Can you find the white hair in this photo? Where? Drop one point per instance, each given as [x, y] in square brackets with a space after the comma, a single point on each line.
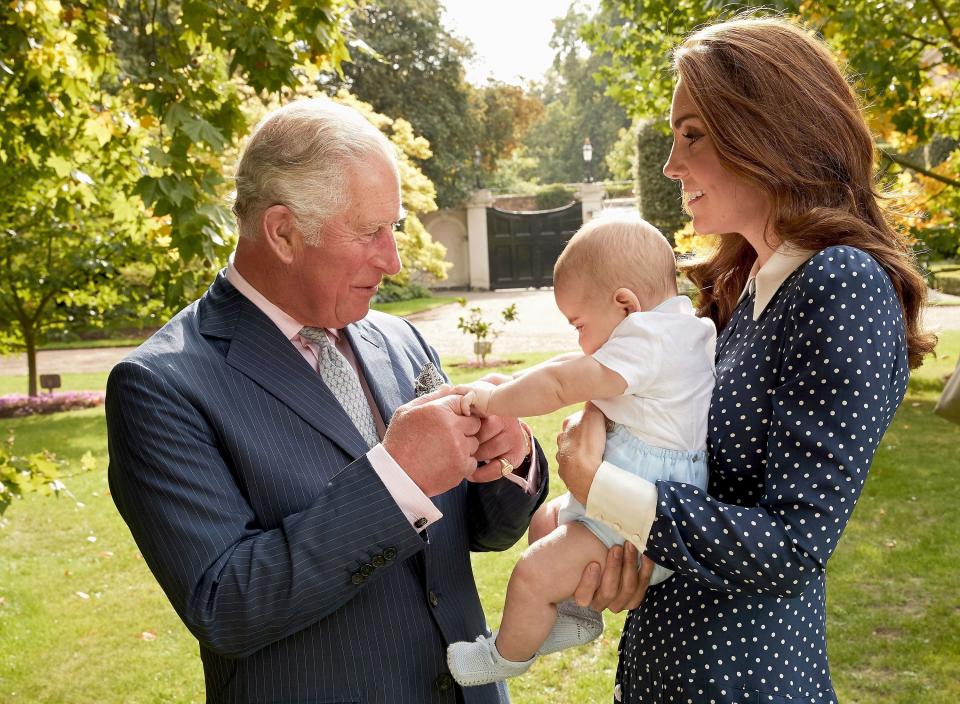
[300, 156]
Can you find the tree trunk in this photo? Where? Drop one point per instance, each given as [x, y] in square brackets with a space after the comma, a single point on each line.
[30, 341]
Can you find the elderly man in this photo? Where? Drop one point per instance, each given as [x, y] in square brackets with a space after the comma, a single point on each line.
[315, 555]
[306, 516]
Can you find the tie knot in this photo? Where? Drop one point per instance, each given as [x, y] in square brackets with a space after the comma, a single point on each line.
[316, 335]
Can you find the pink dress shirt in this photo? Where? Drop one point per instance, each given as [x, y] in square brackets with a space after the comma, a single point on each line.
[416, 506]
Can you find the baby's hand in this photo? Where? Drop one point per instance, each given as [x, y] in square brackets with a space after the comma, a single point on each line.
[475, 397]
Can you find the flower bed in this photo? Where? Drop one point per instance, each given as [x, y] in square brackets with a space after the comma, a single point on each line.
[18, 405]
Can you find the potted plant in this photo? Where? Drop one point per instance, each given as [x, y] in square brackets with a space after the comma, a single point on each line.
[483, 331]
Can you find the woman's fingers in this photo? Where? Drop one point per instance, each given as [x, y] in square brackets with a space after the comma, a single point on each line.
[629, 579]
[610, 580]
[589, 583]
[620, 586]
[646, 570]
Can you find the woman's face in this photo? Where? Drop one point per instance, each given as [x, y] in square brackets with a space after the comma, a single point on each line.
[718, 200]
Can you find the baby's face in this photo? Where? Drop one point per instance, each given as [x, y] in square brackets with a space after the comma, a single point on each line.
[594, 316]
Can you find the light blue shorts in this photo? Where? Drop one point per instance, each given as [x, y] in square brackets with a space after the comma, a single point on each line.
[633, 455]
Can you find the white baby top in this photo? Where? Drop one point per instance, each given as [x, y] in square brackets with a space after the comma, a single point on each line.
[666, 357]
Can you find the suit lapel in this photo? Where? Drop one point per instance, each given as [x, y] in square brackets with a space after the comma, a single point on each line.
[370, 349]
[260, 351]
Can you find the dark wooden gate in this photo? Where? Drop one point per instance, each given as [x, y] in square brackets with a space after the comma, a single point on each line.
[525, 246]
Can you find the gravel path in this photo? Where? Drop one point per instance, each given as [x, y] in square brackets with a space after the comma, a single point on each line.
[540, 327]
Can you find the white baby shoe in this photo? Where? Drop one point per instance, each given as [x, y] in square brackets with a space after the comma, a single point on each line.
[480, 662]
[576, 625]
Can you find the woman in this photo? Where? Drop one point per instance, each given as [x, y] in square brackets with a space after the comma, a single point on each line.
[818, 302]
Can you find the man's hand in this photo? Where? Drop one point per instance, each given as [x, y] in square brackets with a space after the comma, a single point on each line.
[432, 442]
[620, 586]
[499, 437]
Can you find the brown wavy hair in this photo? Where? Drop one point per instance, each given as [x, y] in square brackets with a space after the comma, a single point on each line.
[782, 115]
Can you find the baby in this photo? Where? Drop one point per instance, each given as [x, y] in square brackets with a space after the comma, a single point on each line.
[647, 363]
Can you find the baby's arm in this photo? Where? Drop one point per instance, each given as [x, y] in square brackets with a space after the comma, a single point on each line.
[559, 359]
[546, 389]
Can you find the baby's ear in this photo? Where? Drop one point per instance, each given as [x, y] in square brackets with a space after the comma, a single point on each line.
[627, 301]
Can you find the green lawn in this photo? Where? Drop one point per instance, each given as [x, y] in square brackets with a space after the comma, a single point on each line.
[94, 344]
[87, 381]
[82, 620]
[414, 305]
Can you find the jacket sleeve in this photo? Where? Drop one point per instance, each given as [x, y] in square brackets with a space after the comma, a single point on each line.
[842, 375]
[499, 512]
[237, 586]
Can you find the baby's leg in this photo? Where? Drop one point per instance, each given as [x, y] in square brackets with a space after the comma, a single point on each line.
[544, 521]
[547, 573]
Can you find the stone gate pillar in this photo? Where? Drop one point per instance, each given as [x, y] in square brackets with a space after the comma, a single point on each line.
[591, 199]
[478, 250]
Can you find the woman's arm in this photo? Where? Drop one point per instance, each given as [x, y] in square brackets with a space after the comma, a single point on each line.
[831, 403]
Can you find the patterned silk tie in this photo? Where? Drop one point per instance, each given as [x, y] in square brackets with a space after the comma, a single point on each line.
[344, 383]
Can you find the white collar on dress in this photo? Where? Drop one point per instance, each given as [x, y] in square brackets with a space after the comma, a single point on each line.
[767, 279]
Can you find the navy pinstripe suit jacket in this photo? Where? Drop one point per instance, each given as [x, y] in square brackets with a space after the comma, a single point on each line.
[246, 487]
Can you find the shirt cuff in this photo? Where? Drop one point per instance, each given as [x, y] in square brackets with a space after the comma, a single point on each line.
[623, 501]
[416, 506]
[530, 484]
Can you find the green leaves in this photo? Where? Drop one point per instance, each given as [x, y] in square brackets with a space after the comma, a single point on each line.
[20, 475]
[905, 59]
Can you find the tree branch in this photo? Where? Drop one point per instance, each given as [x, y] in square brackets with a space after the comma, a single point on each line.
[946, 23]
[41, 305]
[921, 40]
[913, 166]
[16, 304]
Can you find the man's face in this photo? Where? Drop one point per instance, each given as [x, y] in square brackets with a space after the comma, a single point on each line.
[336, 279]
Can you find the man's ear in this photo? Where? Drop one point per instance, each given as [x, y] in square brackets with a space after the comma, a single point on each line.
[280, 233]
[627, 301]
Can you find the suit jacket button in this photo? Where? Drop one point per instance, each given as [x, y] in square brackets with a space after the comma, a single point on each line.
[378, 561]
[434, 599]
[366, 569]
[357, 578]
[445, 682]
[390, 553]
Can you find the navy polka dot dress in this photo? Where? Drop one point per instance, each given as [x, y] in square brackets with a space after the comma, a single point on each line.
[802, 398]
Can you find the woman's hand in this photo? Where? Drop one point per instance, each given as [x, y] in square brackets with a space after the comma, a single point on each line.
[620, 586]
[580, 450]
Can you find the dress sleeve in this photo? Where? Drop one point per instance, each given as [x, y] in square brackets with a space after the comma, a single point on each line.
[842, 374]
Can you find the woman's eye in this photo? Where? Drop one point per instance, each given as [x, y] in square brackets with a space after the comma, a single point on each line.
[692, 136]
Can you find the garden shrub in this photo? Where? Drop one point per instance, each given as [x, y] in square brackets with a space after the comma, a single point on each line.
[18, 405]
[658, 197]
[947, 281]
[555, 196]
[390, 291]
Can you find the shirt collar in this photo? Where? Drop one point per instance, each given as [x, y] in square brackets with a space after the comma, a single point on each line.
[675, 304]
[287, 324]
[766, 280]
